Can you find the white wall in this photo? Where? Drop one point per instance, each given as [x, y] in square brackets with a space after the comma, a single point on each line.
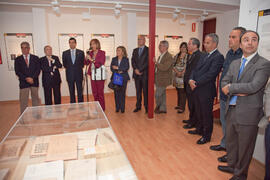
[248, 18]
[11, 23]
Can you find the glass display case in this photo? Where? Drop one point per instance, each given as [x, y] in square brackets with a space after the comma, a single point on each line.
[63, 142]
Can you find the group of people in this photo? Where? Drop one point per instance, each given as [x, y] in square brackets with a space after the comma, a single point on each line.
[244, 74]
[243, 84]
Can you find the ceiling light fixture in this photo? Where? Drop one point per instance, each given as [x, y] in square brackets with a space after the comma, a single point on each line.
[175, 14]
[117, 9]
[183, 20]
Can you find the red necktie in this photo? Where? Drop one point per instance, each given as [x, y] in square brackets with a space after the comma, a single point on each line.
[26, 60]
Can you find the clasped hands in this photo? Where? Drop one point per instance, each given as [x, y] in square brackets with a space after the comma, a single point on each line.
[116, 68]
[29, 80]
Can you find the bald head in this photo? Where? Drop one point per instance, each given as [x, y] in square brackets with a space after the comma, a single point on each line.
[141, 40]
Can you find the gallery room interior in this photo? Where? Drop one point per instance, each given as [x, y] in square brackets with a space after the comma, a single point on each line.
[83, 139]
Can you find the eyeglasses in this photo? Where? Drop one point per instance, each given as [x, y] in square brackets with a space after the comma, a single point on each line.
[25, 47]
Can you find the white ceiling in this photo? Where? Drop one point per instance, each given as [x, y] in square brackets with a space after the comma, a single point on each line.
[164, 7]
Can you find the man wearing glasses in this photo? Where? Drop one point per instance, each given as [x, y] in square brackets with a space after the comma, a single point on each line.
[27, 68]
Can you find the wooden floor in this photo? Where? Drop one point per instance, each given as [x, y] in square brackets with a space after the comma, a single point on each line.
[158, 148]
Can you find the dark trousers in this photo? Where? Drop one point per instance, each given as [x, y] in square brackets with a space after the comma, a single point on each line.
[71, 86]
[191, 105]
[181, 98]
[204, 114]
[120, 97]
[240, 144]
[267, 152]
[48, 90]
[141, 87]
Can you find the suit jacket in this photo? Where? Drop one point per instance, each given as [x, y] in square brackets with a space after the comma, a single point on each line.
[163, 72]
[190, 66]
[205, 74]
[249, 109]
[74, 72]
[123, 66]
[22, 71]
[50, 77]
[140, 62]
[99, 61]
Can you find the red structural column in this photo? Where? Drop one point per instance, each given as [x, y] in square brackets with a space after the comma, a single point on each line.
[151, 74]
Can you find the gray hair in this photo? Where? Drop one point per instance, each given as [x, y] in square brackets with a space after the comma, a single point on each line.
[195, 41]
[46, 47]
[214, 37]
[165, 43]
[25, 43]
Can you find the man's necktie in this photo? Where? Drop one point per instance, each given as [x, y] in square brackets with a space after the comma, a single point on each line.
[26, 60]
[140, 52]
[73, 56]
[234, 98]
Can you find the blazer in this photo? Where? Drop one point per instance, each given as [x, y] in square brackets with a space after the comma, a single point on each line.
[50, 77]
[22, 71]
[74, 72]
[163, 70]
[99, 61]
[249, 109]
[124, 67]
[191, 64]
[140, 62]
[205, 74]
[267, 101]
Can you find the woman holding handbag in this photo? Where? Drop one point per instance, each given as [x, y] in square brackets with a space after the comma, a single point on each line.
[95, 58]
[178, 72]
[119, 68]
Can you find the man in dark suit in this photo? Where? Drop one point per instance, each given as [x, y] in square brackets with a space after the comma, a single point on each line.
[27, 68]
[51, 79]
[73, 61]
[244, 84]
[203, 83]
[193, 47]
[140, 73]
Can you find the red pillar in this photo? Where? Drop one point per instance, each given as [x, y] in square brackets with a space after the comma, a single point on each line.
[151, 75]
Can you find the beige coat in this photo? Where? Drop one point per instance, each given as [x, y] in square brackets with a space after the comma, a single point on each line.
[163, 70]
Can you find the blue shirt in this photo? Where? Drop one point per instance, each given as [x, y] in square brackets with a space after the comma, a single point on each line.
[230, 57]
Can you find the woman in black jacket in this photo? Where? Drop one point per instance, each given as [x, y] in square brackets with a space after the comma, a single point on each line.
[120, 64]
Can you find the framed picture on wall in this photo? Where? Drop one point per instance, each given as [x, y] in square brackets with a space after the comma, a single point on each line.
[263, 28]
[174, 43]
[147, 43]
[13, 46]
[63, 39]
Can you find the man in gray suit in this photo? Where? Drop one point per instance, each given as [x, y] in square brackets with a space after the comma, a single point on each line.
[244, 84]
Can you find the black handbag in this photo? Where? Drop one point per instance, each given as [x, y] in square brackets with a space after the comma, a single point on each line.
[113, 86]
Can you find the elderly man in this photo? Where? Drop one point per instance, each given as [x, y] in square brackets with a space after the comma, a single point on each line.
[163, 76]
[139, 62]
[234, 53]
[244, 84]
[203, 83]
[51, 79]
[27, 68]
